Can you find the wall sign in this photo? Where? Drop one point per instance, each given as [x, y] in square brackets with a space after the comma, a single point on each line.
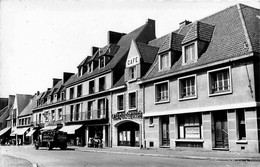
[128, 115]
[132, 61]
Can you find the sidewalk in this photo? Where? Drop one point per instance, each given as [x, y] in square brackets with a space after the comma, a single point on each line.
[191, 153]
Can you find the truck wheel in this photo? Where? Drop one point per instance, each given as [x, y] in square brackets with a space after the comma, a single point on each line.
[49, 146]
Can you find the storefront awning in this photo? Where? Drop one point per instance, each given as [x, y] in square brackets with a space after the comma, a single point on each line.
[49, 128]
[31, 133]
[22, 131]
[14, 132]
[70, 129]
[3, 131]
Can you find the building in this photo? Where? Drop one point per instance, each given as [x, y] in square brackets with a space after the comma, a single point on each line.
[202, 90]
[20, 102]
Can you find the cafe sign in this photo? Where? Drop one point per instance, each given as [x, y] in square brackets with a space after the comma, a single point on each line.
[128, 115]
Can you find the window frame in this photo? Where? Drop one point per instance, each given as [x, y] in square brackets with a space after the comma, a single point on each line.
[104, 63]
[239, 113]
[209, 76]
[60, 112]
[169, 61]
[132, 108]
[90, 92]
[132, 75]
[156, 89]
[72, 93]
[117, 102]
[104, 86]
[79, 94]
[180, 79]
[195, 44]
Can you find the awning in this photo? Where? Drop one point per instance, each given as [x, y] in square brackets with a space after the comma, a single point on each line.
[70, 129]
[22, 131]
[31, 132]
[49, 128]
[3, 131]
[14, 132]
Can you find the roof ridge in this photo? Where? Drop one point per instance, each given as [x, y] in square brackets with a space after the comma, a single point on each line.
[250, 47]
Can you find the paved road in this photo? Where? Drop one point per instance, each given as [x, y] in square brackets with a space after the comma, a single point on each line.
[73, 158]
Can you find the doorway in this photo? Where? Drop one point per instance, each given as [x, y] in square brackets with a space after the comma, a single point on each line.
[165, 131]
[221, 131]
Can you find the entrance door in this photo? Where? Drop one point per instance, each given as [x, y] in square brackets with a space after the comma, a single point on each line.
[128, 134]
[165, 131]
[221, 131]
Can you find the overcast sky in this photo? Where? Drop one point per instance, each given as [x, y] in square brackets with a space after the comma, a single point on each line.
[41, 39]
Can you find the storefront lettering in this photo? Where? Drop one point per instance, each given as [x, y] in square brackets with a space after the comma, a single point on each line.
[132, 61]
[128, 115]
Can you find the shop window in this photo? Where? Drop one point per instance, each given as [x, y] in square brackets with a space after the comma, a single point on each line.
[71, 93]
[132, 72]
[102, 84]
[219, 81]
[241, 124]
[164, 61]
[120, 102]
[132, 100]
[187, 87]
[162, 92]
[60, 113]
[91, 86]
[79, 90]
[190, 126]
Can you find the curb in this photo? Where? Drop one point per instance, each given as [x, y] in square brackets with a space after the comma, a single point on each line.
[171, 156]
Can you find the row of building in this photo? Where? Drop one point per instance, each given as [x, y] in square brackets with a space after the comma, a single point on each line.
[197, 86]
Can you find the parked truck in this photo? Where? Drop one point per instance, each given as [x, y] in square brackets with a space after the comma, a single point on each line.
[51, 139]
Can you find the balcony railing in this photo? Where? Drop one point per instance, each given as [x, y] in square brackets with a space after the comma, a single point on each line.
[88, 115]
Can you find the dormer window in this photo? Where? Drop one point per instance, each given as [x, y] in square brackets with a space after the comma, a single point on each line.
[190, 53]
[80, 71]
[102, 62]
[164, 61]
[90, 67]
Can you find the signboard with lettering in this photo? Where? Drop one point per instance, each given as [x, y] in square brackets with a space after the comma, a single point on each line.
[133, 57]
[128, 115]
[132, 61]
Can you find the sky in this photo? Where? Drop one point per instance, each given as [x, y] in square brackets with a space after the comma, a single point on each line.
[41, 39]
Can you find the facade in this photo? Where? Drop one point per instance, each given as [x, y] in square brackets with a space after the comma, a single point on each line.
[203, 89]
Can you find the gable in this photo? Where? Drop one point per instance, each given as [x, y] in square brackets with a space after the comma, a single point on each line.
[133, 57]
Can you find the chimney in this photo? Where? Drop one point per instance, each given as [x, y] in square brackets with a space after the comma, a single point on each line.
[66, 76]
[55, 81]
[184, 23]
[113, 37]
[94, 50]
[38, 93]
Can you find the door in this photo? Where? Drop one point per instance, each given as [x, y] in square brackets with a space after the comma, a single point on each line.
[165, 131]
[221, 131]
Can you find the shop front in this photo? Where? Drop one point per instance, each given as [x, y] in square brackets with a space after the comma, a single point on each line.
[76, 134]
[97, 135]
[129, 134]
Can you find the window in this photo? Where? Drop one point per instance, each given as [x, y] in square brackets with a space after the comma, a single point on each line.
[162, 92]
[71, 112]
[71, 93]
[187, 87]
[53, 115]
[62, 96]
[190, 53]
[46, 115]
[132, 72]
[102, 62]
[241, 124]
[60, 113]
[189, 126]
[101, 108]
[219, 81]
[77, 112]
[91, 87]
[102, 84]
[151, 120]
[164, 61]
[89, 67]
[120, 102]
[79, 90]
[40, 118]
[90, 109]
[132, 100]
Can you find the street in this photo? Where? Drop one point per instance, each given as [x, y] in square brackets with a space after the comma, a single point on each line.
[75, 158]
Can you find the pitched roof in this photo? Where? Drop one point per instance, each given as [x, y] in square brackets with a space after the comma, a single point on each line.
[120, 82]
[28, 109]
[124, 45]
[84, 61]
[228, 39]
[55, 88]
[199, 30]
[109, 50]
[22, 101]
[147, 52]
[171, 42]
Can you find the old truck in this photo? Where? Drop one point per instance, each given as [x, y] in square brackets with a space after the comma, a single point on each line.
[51, 139]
